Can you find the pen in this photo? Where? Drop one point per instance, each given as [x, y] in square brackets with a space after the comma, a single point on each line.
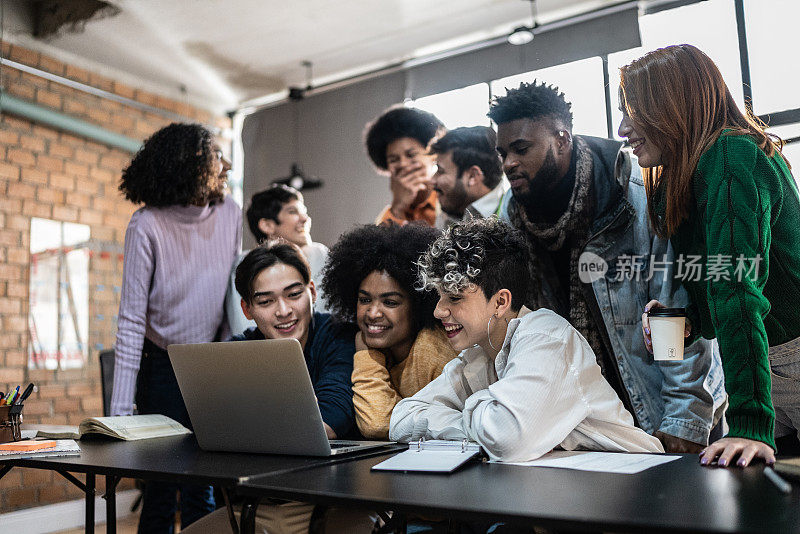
[11, 396]
[773, 477]
[26, 393]
[15, 397]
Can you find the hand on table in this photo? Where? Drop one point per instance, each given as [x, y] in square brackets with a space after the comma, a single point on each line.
[727, 449]
[648, 341]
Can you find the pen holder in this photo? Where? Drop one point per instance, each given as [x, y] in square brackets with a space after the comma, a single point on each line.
[10, 419]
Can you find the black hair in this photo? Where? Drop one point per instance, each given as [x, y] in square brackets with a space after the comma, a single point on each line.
[486, 253]
[265, 256]
[531, 101]
[267, 204]
[396, 123]
[173, 167]
[473, 146]
[391, 249]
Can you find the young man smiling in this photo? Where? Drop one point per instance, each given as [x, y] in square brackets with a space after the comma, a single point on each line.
[277, 212]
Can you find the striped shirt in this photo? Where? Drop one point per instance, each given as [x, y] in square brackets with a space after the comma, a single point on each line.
[175, 274]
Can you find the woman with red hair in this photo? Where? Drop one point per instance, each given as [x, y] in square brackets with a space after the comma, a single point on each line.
[720, 189]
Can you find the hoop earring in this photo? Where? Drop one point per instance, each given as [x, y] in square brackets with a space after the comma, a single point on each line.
[489, 331]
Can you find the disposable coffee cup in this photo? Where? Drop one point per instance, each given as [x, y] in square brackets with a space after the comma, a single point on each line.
[666, 331]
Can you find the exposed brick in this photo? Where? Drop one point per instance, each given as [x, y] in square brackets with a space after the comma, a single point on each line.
[9, 341]
[51, 65]
[92, 405]
[65, 213]
[11, 272]
[80, 390]
[86, 156]
[17, 289]
[23, 55]
[48, 98]
[13, 479]
[88, 186]
[38, 407]
[77, 74]
[87, 216]
[51, 391]
[9, 138]
[80, 200]
[10, 205]
[11, 238]
[45, 131]
[10, 306]
[73, 107]
[62, 405]
[21, 190]
[53, 196]
[124, 90]
[76, 169]
[18, 124]
[9, 376]
[9, 171]
[35, 209]
[48, 163]
[62, 181]
[21, 497]
[24, 91]
[101, 174]
[32, 143]
[21, 157]
[34, 176]
[52, 493]
[101, 82]
[16, 358]
[17, 256]
[61, 150]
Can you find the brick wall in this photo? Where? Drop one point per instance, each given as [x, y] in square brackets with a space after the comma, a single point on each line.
[54, 175]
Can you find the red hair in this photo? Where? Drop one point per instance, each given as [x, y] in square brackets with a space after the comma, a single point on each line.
[677, 96]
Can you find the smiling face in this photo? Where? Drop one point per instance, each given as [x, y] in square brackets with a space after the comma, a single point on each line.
[644, 148]
[536, 155]
[383, 314]
[464, 316]
[282, 303]
[294, 224]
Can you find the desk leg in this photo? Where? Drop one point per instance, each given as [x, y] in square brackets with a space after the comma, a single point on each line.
[111, 504]
[89, 503]
[248, 520]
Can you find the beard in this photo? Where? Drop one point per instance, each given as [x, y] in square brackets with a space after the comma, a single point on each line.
[535, 191]
[455, 201]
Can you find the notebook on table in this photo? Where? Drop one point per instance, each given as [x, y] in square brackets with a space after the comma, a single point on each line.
[254, 396]
[438, 456]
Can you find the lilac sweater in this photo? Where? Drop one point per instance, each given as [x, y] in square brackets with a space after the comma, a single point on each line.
[175, 274]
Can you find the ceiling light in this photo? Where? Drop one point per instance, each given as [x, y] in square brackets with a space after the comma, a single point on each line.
[524, 34]
[520, 36]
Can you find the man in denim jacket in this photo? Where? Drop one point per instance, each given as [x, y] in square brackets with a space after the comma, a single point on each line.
[581, 202]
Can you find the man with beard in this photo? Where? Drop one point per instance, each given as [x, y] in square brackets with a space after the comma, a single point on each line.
[580, 201]
[469, 176]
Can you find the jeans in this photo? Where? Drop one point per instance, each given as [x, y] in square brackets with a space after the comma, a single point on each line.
[157, 392]
[784, 365]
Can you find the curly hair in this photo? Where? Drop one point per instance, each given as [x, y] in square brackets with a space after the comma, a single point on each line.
[390, 249]
[173, 167]
[396, 123]
[484, 253]
[267, 204]
[531, 101]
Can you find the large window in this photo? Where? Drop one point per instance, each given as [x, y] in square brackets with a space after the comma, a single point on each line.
[582, 85]
[710, 26]
[461, 107]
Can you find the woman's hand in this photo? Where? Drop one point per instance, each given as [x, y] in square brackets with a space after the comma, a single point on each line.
[648, 341]
[727, 449]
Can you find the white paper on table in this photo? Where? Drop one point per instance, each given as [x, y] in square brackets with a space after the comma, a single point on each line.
[605, 462]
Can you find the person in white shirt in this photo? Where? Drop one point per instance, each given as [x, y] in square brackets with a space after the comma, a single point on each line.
[277, 212]
[469, 175]
[525, 381]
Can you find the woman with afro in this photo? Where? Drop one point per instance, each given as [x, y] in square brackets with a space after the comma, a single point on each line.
[179, 247]
[370, 279]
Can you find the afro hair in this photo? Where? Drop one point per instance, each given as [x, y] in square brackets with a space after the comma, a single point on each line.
[391, 249]
[396, 123]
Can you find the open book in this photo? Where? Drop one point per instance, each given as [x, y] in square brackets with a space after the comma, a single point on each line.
[127, 427]
[433, 455]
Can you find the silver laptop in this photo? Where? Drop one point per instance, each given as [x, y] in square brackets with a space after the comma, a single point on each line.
[254, 396]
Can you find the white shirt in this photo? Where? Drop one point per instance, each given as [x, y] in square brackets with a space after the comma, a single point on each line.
[544, 390]
[486, 206]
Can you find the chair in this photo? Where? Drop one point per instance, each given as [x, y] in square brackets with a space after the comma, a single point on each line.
[107, 378]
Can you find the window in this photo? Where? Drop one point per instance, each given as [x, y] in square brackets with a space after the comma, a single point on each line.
[582, 85]
[467, 106]
[58, 321]
[689, 24]
[772, 43]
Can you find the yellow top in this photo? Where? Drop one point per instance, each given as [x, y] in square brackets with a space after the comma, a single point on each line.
[377, 389]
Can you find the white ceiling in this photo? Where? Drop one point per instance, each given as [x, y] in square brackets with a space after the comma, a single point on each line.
[226, 52]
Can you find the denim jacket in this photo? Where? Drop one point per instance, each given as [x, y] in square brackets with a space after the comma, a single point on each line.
[684, 399]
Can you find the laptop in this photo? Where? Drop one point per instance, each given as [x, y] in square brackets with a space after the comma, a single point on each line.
[254, 396]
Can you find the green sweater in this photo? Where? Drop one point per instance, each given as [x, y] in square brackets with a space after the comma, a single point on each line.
[745, 204]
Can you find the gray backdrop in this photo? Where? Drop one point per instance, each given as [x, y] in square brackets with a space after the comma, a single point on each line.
[330, 124]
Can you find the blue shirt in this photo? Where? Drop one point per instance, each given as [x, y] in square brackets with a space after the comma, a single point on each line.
[329, 354]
